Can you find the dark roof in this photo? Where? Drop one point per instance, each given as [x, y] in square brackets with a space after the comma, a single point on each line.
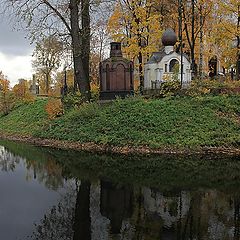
[156, 57]
[169, 37]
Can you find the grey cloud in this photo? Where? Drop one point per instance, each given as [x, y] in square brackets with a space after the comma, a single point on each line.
[12, 42]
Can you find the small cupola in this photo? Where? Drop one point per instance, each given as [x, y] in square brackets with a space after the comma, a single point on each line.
[116, 49]
[169, 39]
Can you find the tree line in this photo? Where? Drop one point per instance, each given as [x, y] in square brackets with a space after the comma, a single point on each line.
[79, 31]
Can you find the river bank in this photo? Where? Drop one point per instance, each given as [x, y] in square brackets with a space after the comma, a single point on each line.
[91, 147]
[174, 126]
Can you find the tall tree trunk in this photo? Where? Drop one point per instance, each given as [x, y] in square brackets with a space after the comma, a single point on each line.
[140, 69]
[201, 45]
[81, 76]
[47, 83]
[193, 39]
[238, 46]
[190, 34]
[180, 37]
[85, 34]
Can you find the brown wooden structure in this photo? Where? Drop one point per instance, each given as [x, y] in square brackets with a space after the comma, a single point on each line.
[116, 75]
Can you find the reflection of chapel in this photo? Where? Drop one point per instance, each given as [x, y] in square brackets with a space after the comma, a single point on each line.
[165, 65]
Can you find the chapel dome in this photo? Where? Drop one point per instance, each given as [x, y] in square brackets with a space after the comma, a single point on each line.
[169, 37]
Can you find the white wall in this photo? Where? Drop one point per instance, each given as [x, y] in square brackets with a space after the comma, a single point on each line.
[154, 71]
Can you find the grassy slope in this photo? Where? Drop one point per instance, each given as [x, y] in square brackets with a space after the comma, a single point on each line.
[177, 122]
[25, 119]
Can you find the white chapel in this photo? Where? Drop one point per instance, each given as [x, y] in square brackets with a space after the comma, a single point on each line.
[165, 65]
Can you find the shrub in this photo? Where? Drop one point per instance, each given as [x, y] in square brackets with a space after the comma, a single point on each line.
[199, 88]
[54, 108]
[169, 88]
[72, 100]
[213, 87]
[89, 110]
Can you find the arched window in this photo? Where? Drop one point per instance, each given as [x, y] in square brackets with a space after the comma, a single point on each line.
[173, 65]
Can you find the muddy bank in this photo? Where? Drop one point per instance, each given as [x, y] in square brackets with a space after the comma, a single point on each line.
[92, 147]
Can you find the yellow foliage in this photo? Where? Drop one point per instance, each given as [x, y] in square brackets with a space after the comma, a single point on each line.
[214, 86]
[6, 96]
[137, 27]
[54, 108]
[21, 92]
[95, 91]
[4, 85]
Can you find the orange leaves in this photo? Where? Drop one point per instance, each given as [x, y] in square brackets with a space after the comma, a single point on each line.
[4, 84]
[54, 108]
[6, 97]
[21, 92]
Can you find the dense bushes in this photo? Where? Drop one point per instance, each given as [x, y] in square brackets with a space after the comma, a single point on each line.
[213, 87]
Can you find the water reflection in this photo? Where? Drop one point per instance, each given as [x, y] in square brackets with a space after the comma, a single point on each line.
[24, 200]
[8, 161]
[152, 215]
[96, 205]
[116, 204]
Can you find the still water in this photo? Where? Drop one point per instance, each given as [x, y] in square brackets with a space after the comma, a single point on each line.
[52, 194]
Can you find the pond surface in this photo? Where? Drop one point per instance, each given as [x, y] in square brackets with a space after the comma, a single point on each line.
[50, 194]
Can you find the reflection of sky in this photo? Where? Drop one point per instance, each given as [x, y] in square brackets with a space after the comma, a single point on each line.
[22, 203]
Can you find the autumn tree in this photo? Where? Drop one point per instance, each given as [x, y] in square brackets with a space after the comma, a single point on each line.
[194, 15]
[21, 91]
[47, 58]
[6, 96]
[135, 25]
[99, 48]
[228, 26]
[66, 18]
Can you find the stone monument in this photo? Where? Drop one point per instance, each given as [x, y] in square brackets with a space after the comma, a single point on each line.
[116, 75]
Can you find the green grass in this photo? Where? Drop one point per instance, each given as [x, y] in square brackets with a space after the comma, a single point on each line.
[180, 122]
[25, 119]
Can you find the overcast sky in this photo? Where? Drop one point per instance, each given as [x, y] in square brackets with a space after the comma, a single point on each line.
[15, 52]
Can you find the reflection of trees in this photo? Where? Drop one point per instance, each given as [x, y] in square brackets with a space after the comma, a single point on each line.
[47, 172]
[140, 213]
[70, 219]
[191, 225]
[8, 161]
[182, 215]
[210, 215]
[40, 165]
[57, 224]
